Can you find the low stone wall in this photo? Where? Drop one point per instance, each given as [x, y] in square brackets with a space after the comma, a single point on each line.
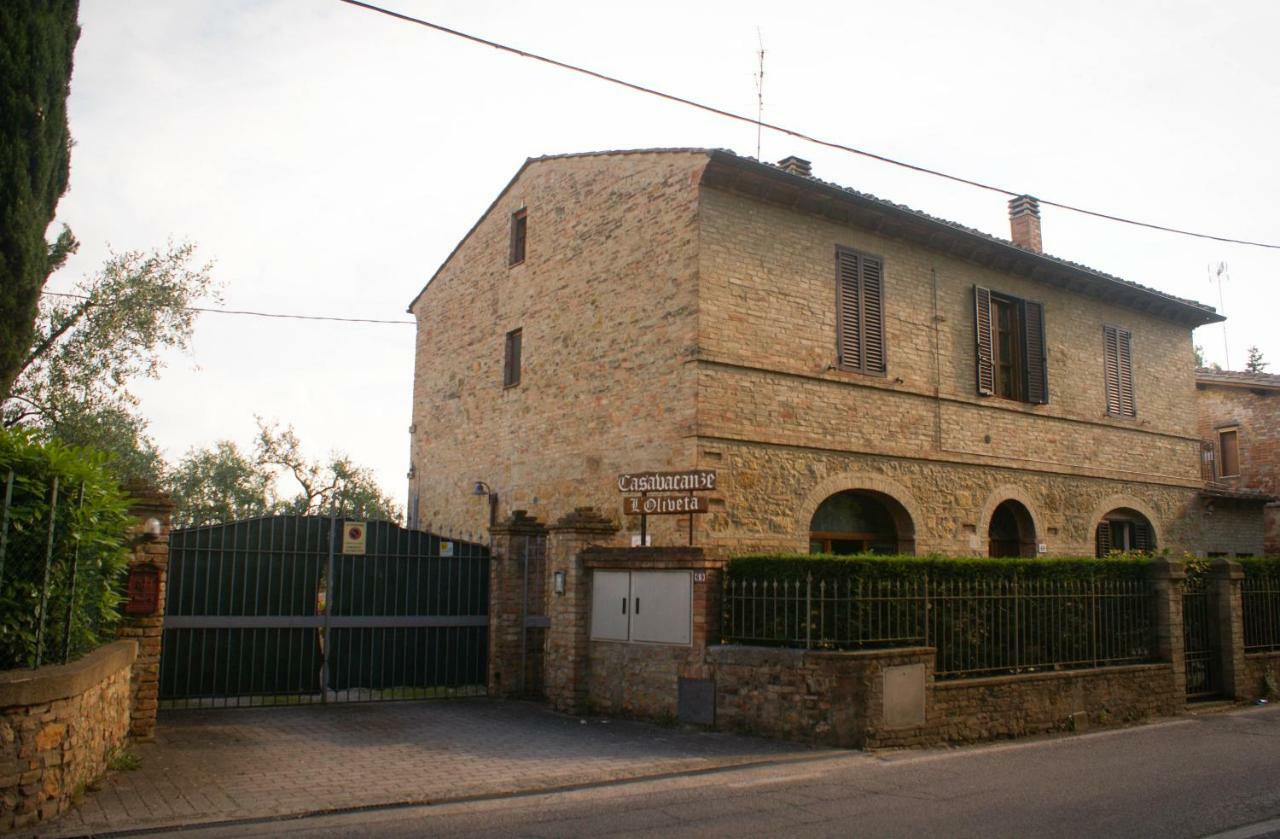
[639, 680]
[58, 728]
[1261, 673]
[851, 699]
[830, 698]
[999, 707]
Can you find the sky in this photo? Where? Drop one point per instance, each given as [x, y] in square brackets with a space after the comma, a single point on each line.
[327, 159]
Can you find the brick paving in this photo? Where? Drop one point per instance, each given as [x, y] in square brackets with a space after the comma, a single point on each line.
[210, 766]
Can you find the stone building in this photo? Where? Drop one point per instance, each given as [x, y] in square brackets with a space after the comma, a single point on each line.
[860, 375]
[1239, 417]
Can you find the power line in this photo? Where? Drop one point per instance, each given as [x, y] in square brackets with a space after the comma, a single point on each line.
[790, 132]
[254, 314]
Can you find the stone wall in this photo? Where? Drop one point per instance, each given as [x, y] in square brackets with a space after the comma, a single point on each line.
[59, 726]
[973, 710]
[771, 493]
[767, 328]
[606, 299]
[838, 698]
[1234, 527]
[826, 698]
[1261, 671]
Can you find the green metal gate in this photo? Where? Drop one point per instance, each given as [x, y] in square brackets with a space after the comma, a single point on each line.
[269, 611]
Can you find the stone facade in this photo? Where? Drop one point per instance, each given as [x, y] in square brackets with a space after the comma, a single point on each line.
[59, 726]
[1249, 403]
[677, 310]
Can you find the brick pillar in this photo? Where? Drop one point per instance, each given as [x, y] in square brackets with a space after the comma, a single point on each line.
[568, 638]
[1226, 610]
[1168, 577]
[506, 601]
[148, 503]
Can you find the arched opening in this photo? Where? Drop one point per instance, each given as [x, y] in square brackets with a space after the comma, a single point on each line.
[861, 521]
[1012, 531]
[1124, 529]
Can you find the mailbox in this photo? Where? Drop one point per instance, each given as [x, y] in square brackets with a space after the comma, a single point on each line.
[143, 590]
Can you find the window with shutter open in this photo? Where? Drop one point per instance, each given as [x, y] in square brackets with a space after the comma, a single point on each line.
[1117, 366]
[860, 342]
[1009, 334]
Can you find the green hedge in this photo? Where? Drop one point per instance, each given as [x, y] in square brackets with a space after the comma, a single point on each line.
[875, 566]
[89, 536]
[1260, 566]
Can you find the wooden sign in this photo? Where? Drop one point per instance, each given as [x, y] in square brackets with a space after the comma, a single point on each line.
[664, 505]
[692, 480]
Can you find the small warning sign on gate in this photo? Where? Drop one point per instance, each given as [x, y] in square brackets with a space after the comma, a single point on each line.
[353, 538]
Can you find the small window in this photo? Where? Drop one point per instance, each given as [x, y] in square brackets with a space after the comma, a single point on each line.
[860, 312]
[511, 360]
[519, 233]
[1117, 365]
[1229, 446]
[1011, 347]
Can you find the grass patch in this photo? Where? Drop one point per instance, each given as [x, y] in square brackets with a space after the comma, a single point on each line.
[124, 760]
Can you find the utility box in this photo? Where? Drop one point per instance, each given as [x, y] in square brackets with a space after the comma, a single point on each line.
[652, 607]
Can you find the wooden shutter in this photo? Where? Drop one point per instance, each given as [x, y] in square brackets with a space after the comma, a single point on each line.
[1117, 361]
[1103, 537]
[1143, 538]
[982, 333]
[848, 310]
[1036, 365]
[1111, 368]
[1124, 346]
[872, 315]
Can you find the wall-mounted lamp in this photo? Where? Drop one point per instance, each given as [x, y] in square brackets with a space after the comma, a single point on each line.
[151, 529]
[482, 489]
[557, 582]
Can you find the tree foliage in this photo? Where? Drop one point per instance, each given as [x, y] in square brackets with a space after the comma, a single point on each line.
[218, 484]
[90, 526]
[87, 348]
[221, 483]
[37, 42]
[1256, 363]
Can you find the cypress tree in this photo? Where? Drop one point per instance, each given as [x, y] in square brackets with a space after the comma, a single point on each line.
[37, 39]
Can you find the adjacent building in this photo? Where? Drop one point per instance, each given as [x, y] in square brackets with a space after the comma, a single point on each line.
[1240, 428]
[860, 375]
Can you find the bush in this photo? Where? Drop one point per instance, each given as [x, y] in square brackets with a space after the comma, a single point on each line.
[881, 567]
[88, 559]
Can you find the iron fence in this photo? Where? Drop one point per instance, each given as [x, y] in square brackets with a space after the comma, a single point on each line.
[979, 627]
[1261, 596]
[43, 578]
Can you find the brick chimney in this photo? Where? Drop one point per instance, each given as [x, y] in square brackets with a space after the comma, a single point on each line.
[1024, 222]
[796, 166]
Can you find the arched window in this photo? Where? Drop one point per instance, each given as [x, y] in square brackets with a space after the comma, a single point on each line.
[860, 521]
[1123, 529]
[1012, 532]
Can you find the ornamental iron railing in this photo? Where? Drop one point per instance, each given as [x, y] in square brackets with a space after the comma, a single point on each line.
[980, 627]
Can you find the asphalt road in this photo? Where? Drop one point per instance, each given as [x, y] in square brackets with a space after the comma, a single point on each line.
[1195, 776]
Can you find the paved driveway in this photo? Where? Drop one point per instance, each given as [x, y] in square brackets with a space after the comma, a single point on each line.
[211, 766]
